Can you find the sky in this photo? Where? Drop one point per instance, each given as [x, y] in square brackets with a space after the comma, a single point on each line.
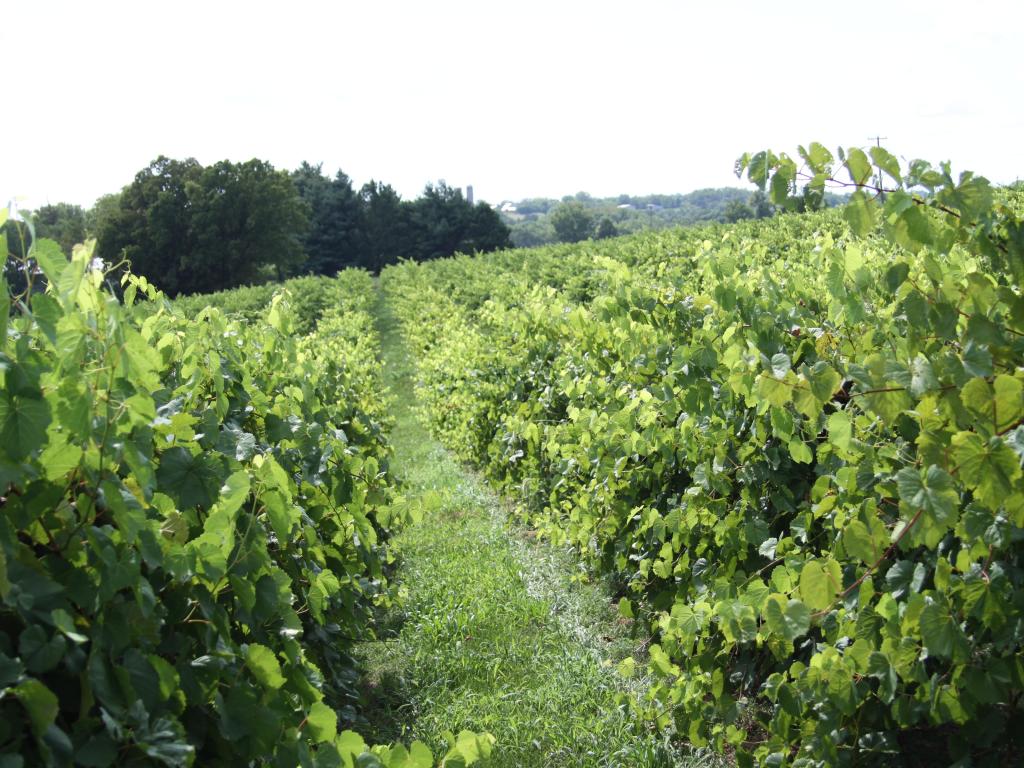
[519, 98]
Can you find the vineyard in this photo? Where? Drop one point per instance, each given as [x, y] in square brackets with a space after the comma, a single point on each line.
[796, 445]
[195, 526]
[792, 446]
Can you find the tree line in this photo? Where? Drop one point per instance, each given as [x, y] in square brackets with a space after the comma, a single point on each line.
[540, 221]
[191, 228]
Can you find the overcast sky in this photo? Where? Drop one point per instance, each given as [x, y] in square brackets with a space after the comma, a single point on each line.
[518, 98]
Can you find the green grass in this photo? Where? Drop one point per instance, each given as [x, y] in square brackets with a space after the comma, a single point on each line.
[493, 633]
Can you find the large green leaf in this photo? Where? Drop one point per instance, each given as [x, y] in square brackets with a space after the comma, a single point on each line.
[880, 667]
[858, 165]
[234, 492]
[932, 490]
[23, 423]
[264, 665]
[41, 650]
[420, 756]
[322, 722]
[940, 631]
[997, 405]
[777, 393]
[50, 257]
[840, 430]
[40, 703]
[905, 578]
[860, 214]
[817, 157]
[820, 582]
[194, 480]
[866, 541]
[988, 467]
[791, 619]
[780, 365]
[800, 452]
[59, 458]
[884, 160]
[824, 380]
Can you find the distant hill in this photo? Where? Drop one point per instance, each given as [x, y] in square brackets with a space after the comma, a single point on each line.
[534, 221]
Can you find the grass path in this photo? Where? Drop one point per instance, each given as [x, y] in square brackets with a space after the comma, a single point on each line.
[493, 634]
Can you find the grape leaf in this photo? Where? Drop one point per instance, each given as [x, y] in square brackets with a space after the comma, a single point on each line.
[23, 423]
[264, 665]
[322, 722]
[866, 541]
[840, 430]
[931, 490]
[791, 619]
[193, 480]
[989, 468]
[940, 631]
[858, 166]
[40, 703]
[820, 581]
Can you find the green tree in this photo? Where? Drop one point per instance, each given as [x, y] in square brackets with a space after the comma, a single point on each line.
[572, 222]
[761, 205]
[62, 222]
[248, 222]
[532, 231]
[193, 229]
[152, 226]
[439, 215]
[103, 209]
[337, 227]
[388, 226]
[737, 210]
[445, 223]
[606, 228]
[485, 231]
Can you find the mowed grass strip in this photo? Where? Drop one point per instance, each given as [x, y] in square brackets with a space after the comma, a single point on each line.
[493, 633]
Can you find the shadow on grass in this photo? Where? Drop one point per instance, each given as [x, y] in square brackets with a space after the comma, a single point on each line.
[384, 704]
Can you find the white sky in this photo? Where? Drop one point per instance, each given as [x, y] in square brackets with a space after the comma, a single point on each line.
[518, 98]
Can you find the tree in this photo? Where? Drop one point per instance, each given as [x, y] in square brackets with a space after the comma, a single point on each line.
[62, 222]
[248, 222]
[445, 223]
[572, 222]
[336, 237]
[388, 226]
[102, 210]
[151, 227]
[606, 228]
[532, 231]
[485, 231]
[737, 210]
[189, 229]
[761, 205]
[439, 216]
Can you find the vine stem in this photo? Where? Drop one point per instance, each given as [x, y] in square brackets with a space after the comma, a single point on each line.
[885, 555]
[1010, 428]
[882, 190]
[988, 563]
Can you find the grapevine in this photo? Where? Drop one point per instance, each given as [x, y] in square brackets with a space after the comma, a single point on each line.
[797, 442]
